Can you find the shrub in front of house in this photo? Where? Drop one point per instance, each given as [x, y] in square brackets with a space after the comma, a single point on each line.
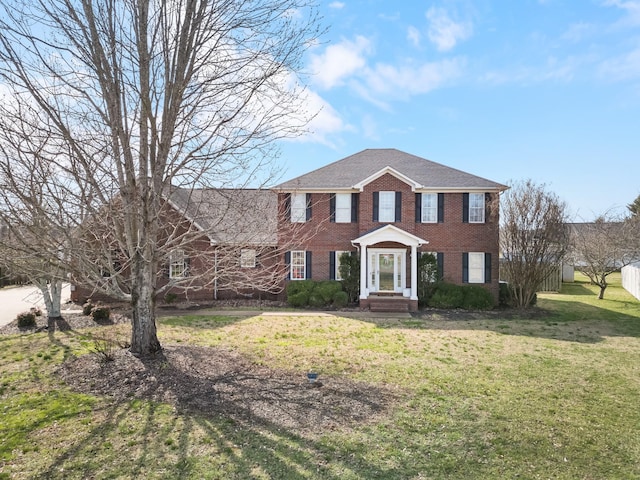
[26, 320]
[327, 289]
[298, 300]
[316, 300]
[468, 297]
[506, 294]
[340, 299]
[477, 298]
[100, 313]
[311, 293]
[447, 295]
[87, 307]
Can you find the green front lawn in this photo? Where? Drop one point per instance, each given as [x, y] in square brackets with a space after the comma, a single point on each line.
[551, 396]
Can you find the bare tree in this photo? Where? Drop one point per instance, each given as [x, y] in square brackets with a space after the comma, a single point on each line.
[634, 207]
[126, 101]
[533, 238]
[604, 246]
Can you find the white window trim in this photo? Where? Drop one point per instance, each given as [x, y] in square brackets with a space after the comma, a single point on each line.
[433, 210]
[177, 264]
[343, 208]
[298, 259]
[476, 274]
[388, 214]
[247, 258]
[476, 213]
[298, 207]
[338, 254]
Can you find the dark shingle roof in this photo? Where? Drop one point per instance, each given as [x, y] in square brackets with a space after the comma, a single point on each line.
[231, 216]
[352, 170]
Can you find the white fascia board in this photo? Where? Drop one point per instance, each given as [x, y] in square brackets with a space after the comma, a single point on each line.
[389, 233]
[184, 214]
[392, 171]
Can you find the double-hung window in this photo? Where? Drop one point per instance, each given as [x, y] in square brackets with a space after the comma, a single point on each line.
[177, 264]
[387, 207]
[429, 208]
[476, 208]
[298, 207]
[337, 263]
[343, 207]
[298, 265]
[247, 258]
[476, 267]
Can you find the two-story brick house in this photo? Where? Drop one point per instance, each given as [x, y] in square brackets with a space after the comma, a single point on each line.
[385, 205]
[388, 207]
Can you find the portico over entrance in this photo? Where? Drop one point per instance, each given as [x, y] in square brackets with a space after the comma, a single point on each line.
[383, 263]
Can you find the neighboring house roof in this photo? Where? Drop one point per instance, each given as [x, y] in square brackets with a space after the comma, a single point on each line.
[355, 171]
[231, 216]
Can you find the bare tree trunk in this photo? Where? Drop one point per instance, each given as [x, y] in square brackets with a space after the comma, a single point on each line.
[144, 339]
[52, 296]
[603, 287]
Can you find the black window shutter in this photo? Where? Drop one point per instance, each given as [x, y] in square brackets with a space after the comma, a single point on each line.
[287, 262]
[332, 265]
[376, 205]
[332, 208]
[465, 208]
[487, 207]
[465, 268]
[440, 259]
[418, 207]
[187, 264]
[308, 264]
[398, 207]
[487, 268]
[440, 207]
[287, 205]
[354, 207]
[308, 207]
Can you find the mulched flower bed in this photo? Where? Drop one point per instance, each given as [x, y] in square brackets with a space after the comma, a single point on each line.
[221, 382]
[216, 381]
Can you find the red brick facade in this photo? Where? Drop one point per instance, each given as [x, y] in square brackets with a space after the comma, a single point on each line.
[452, 237]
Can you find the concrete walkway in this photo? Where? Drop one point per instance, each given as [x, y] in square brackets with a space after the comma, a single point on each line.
[14, 300]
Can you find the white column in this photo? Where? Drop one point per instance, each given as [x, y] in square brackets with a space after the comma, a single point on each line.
[364, 293]
[414, 272]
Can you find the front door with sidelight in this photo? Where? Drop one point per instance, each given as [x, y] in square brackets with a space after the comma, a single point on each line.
[386, 270]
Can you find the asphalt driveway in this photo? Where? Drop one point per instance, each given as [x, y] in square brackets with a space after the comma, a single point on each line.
[14, 300]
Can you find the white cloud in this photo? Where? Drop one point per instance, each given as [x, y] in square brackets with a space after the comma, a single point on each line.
[414, 36]
[337, 5]
[623, 67]
[325, 123]
[444, 32]
[578, 31]
[553, 69]
[401, 82]
[339, 61]
[632, 8]
[370, 128]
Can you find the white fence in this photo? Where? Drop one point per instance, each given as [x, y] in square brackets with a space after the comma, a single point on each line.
[631, 279]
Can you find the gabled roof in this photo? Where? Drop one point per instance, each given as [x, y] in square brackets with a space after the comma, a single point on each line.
[388, 233]
[230, 216]
[352, 171]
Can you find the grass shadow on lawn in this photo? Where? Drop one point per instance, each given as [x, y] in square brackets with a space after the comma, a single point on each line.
[258, 421]
[556, 318]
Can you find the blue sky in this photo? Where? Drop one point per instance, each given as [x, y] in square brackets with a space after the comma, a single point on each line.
[540, 89]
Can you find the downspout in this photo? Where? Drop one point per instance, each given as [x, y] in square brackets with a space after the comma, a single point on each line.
[215, 274]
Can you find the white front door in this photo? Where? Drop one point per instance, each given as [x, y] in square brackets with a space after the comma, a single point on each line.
[386, 269]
